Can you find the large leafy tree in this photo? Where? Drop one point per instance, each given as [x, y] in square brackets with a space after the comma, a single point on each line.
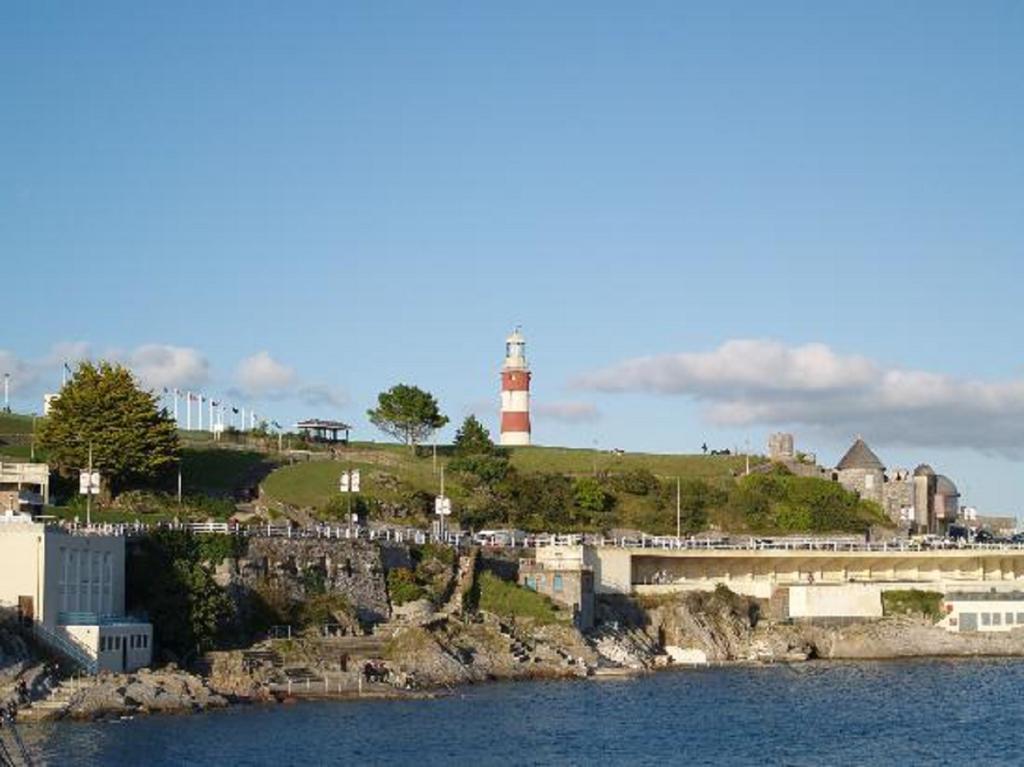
[134, 442]
[407, 413]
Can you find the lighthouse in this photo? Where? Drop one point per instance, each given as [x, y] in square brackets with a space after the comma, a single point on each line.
[515, 392]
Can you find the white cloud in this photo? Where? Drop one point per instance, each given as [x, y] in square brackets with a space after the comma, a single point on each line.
[321, 395]
[33, 376]
[261, 374]
[567, 412]
[160, 365]
[751, 382]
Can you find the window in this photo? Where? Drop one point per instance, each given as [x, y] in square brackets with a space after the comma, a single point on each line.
[131, 642]
[1020, 618]
[531, 583]
[997, 619]
[1009, 619]
[986, 619]
[557, 582]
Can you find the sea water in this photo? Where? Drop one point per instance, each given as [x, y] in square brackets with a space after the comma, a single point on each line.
[818, 713]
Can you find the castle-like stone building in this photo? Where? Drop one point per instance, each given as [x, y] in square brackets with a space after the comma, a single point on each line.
[918, 502]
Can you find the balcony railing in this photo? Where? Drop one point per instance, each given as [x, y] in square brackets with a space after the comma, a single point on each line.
[95, 619]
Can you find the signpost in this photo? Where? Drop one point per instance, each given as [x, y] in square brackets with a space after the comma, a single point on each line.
[350, 484]
[443, 509]
[89, 485]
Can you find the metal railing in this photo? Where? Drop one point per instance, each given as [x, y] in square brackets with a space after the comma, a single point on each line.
[518, 539]
[68, 647]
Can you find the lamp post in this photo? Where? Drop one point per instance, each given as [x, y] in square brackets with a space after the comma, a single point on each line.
[7, 388]
[679, 526]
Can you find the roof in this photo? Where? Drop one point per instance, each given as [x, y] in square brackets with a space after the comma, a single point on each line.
[860, 456]
[319, 423]
[944, 486]
[923, 470]
[984, 596]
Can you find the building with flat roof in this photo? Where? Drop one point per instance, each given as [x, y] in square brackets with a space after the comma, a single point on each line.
[983, 611]
[71, 590]
[24, 487]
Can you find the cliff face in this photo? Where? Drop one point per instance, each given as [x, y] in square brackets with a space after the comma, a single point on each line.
[294, 570]
[712, 626]
[902, 637]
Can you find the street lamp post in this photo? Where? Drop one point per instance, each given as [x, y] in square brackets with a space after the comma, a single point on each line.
[678, 510]
[88, 496]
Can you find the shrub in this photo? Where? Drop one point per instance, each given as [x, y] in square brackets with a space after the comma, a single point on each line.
[927, 604]
[402, 586]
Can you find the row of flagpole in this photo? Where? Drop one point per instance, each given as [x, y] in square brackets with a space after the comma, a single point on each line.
[217, 413]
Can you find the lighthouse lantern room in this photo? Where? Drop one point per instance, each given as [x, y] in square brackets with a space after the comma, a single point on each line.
[515, 392]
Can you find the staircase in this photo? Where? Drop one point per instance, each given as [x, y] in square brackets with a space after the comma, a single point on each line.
[464, 577]
[519, 648]
[56, 705]
[356, 646]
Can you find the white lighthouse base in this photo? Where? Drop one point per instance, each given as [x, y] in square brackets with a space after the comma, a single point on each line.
[515, 438]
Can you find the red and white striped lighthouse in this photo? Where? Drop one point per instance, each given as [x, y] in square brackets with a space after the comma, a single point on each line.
[515, 392]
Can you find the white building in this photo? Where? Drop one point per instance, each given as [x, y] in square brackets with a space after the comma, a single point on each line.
[983, 611]
[71, 589]
[24, 487]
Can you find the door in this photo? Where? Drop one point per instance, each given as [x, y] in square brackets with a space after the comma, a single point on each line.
[124, 654]
[26, 610]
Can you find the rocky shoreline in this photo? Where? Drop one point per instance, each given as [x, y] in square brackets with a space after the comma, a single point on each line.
[425, 653]
[433, 660]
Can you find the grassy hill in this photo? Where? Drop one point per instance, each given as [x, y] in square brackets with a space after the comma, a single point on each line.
[392, 475]
[15, 436]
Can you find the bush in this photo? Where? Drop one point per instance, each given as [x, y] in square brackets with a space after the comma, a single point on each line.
[402, 586]
[927, 604]
[635, 482]
[589, 495]
[324, 608]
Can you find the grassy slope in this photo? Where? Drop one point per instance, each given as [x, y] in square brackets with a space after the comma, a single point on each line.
[313, 483]
[216, 472]
[15, 436]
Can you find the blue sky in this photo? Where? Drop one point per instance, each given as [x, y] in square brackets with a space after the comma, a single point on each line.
[312, 201]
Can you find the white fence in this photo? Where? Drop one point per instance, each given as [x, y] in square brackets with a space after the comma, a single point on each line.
[519, 539]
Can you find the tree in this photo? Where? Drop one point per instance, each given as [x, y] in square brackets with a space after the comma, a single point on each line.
[133, 441]
[477, 455]
[472, 438]
[407, 413]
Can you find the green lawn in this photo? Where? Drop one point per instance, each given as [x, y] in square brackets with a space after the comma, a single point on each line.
[512, 601]
[16, 437]
[13, 423]
[579, 461]
[386, 472]
[216, 472]
[313, 483]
